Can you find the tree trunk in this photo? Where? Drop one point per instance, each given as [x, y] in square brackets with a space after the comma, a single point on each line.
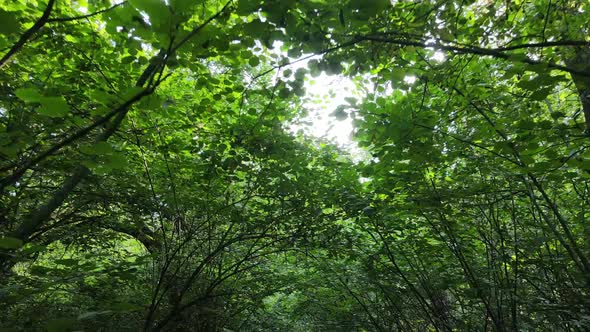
[580, 61]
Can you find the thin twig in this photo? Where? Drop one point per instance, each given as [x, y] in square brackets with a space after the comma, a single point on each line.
[75, 18]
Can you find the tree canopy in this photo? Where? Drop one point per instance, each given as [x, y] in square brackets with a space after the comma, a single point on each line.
[151, 178]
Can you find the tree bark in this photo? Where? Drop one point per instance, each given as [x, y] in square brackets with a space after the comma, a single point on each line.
[581, 62]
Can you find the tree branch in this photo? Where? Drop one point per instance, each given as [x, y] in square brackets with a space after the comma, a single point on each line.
[17, 174]
[75, 18]
[472, 50]
[565, 43]
[200, 27]
[25, 37]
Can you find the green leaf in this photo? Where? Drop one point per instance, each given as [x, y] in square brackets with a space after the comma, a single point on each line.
[29, 95]
[284, 93]
[102, 148]
[518, 57]
[254, 61]
[366, 9]
[396, 74]
[246, 7]
[10, 243]
[97, 149]
[30, 248]
[294, 52]
[100, 96]
[116, 161]
[128, 59]
[131, 92]
[300, 74]
[158, 12]
[10, 23]
[540, 94]
[526, 124]
[182, 6]
[53, 106]
[340, 114]
[256, 28]
[557, 115]
[60, 325]
[351, 100]
[67, 262]
[529, 83]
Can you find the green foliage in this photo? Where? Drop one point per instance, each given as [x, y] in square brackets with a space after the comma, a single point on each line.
[10, 243]
[149, 179]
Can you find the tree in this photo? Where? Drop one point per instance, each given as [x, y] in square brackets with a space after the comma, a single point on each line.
[147, 143]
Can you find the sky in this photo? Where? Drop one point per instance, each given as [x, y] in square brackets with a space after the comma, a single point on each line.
[323, 94]
[330, 91]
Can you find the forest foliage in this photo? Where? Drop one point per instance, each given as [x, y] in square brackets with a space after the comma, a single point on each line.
[150, 181]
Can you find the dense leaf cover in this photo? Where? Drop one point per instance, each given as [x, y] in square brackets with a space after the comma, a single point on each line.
[149, 179]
